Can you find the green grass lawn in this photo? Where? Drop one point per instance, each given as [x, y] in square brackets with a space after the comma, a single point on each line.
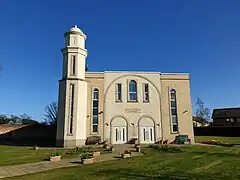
[197, 162]
[10, 155]
[231, 140]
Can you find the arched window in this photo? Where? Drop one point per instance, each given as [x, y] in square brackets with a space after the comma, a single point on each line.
[133, 90]
[174, 117]
[95, 110]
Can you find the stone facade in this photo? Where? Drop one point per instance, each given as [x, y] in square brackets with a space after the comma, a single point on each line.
[120, 106]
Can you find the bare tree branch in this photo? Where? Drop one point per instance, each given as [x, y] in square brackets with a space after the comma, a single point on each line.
[51, 113]
[202, 112]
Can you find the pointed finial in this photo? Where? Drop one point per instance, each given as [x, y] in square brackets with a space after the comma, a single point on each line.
[75, 26]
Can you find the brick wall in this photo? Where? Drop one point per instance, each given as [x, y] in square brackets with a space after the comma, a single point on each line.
[41, 135]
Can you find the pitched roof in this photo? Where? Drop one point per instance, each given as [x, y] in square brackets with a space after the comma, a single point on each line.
[226, 113]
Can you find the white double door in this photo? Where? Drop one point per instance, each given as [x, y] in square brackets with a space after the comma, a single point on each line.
[119, 135]
[147, 135]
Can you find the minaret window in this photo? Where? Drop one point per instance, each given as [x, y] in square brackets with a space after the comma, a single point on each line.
[95, 110]
[74, 40]
[71, 108]
[174, 116]
[132, 90]
[73, 65]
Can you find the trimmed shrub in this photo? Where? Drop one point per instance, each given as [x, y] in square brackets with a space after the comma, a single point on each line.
[55, 153]
[85, 156]
[81, 150]
[166, 147]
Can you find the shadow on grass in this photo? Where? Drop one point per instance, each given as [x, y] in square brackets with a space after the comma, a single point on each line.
[218, 154]
[124, 173]
[118, 157]
[202, 152]
[76, 162]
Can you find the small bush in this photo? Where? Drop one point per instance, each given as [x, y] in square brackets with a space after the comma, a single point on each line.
[166, 147]
[55, 154]
[127, 152]
[85, 155]
[81, 150]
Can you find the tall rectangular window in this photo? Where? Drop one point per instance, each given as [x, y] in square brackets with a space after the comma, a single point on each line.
[119, 92]
[71, 108]
[145, 92]
[73, 65]
[173, 107]
[95, 110]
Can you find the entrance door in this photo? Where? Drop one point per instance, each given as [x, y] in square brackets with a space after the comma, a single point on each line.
[146, 135]
[119, 135]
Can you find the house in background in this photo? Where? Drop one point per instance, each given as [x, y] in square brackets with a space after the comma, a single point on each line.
[200, 122]
[226, 117]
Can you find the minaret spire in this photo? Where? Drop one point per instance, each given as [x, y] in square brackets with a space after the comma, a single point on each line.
[71, 125]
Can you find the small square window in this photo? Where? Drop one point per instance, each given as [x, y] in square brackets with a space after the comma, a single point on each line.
[95, 111]
[174, 111]
[173, 104]
[95, 119]
[95, 128]
[175, 128]
[95, 103]
[174, 119]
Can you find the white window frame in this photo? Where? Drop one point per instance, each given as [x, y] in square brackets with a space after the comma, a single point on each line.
[145, 94]
[73, 65]
[118, 94]
[175, 115]
[129, 100]
[94, 90]
[71, 109]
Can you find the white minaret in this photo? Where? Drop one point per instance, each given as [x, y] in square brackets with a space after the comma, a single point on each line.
[72, 102]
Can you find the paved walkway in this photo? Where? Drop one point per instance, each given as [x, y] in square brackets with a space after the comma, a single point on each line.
[23, 169]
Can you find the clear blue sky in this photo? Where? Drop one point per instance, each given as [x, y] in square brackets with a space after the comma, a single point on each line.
[200, 37]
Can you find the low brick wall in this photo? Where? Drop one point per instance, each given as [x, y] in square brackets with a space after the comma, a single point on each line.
[5, 128]
[28, 135]
[217, 131]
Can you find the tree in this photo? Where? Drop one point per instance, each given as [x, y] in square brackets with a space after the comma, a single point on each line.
[51, 114]
[202, 112]
[13, 119]
[26, 119]
[4, 119]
